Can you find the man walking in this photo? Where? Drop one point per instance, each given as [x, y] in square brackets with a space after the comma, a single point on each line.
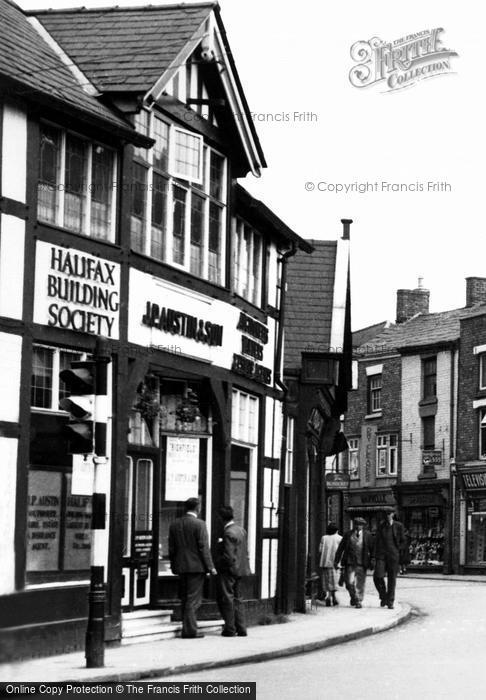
[190, 559]
[231, 557]
[355, 552]
[390, 541]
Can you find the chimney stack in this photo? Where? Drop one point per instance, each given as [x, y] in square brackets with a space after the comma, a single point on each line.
[475, 290]
[412, 301]
[346, 224]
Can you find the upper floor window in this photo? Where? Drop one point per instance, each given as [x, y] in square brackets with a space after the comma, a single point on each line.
[428, 432]
[374, 393]
[482, 433]
[46, 389]
[76, 183]
[353, 458]
[429, 367]
[178, 211]
[482, 370]
[248, 253]
[386, 455]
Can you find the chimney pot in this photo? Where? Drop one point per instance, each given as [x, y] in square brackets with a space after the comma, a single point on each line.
[346, 225]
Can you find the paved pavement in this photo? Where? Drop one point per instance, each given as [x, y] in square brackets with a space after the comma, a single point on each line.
[318, 628]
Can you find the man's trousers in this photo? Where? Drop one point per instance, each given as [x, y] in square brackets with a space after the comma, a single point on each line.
[388, 567]
[190, 592]
[355, 580]
[230, 603]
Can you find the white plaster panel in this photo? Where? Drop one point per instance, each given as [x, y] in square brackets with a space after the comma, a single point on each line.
[14, 153]
[8, 476]
[10, 352]
[145, 288]
[12, 247]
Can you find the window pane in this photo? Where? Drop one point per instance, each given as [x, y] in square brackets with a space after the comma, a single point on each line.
[197, 228]
[142, 126]
[161, 146]
[236, 258]
[159, 214]
[41, 388]
[214, 252]
[187, 155]
[430, 378]
[216, 170]
[75, 183]
[482, 434]
[139, 194]
[101, 192]
[65, 359]
[143, 498]
[179, 224]
[77, 538]
[49, 176]
[256, 268]
[245, 262]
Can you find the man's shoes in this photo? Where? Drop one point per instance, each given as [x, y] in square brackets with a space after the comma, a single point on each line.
[390, 606]
[225, 633]
[242, 633]
[328, 602]
[335, 601]
[358, 605]
[198, 635]
[383, 603]
[352, 602]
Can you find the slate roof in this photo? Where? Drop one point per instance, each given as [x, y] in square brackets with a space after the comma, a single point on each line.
[363, 335]
[309, 301]
[421, 331]
[35, 68]
[124, 49]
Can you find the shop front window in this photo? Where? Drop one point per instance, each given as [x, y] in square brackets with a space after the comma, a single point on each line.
[425, 527]
[476, 532]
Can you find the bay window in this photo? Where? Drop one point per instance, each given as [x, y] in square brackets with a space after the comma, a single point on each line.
[179, 186]
[76, 183]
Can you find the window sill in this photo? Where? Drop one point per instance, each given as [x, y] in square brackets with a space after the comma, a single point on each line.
[386, 476]
[425, 477]
[376, 414]
[428, 402]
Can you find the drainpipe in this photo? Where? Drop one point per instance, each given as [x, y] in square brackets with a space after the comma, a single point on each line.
[281, 318]
[281, 593]
[452, 462]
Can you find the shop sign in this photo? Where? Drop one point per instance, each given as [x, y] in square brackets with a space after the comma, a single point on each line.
[432, 458]
[373, 498]
[179, 323]
[474, 481]
[337, 481]
[43, 520]
[411, 500]
[76, 291]
[182, 468]
[253, 348]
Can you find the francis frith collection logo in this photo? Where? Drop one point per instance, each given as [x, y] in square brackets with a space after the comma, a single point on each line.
[400, 63]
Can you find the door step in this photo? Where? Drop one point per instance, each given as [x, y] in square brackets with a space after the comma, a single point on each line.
[154, 625]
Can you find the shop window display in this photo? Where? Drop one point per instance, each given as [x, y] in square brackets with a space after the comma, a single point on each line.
[476, 531]
[425, 528]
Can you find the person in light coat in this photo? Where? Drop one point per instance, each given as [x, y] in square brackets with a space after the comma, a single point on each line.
[328, 548]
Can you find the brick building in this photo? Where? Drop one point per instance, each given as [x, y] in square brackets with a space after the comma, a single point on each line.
[469, 480]
[401, 423]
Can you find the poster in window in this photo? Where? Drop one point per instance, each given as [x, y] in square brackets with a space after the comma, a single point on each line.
[182, 469]
[43, 520]
[77, 538]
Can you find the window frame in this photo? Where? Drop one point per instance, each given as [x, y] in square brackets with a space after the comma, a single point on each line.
[77, 355]
[193, 188]
[482, 370]
[250, 288]
[353, 452]
[387, 444]
[60, 185]
[375, 392]
[482, 433]
[429, 377]
[429, 421]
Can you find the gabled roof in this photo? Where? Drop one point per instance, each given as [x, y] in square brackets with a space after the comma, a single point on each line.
[309, 301]
[421, 331]
[125, 49]
[32, 67]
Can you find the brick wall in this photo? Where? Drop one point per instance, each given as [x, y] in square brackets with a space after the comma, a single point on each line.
[411, 389]
[356, 425]
[473, 332]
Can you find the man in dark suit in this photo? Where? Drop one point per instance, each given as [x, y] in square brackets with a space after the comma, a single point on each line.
[190, 559]
[355, 553]
[231, 558]
[389, 543]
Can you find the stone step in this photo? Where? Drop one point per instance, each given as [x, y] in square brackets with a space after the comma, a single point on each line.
[144, 613]
[167, 631]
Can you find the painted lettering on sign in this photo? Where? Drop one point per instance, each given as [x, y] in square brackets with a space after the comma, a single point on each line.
[185, 325]
[250, 369]
[475, 481]
[247, 324]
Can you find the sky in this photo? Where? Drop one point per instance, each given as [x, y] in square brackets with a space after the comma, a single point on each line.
[294, 59]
